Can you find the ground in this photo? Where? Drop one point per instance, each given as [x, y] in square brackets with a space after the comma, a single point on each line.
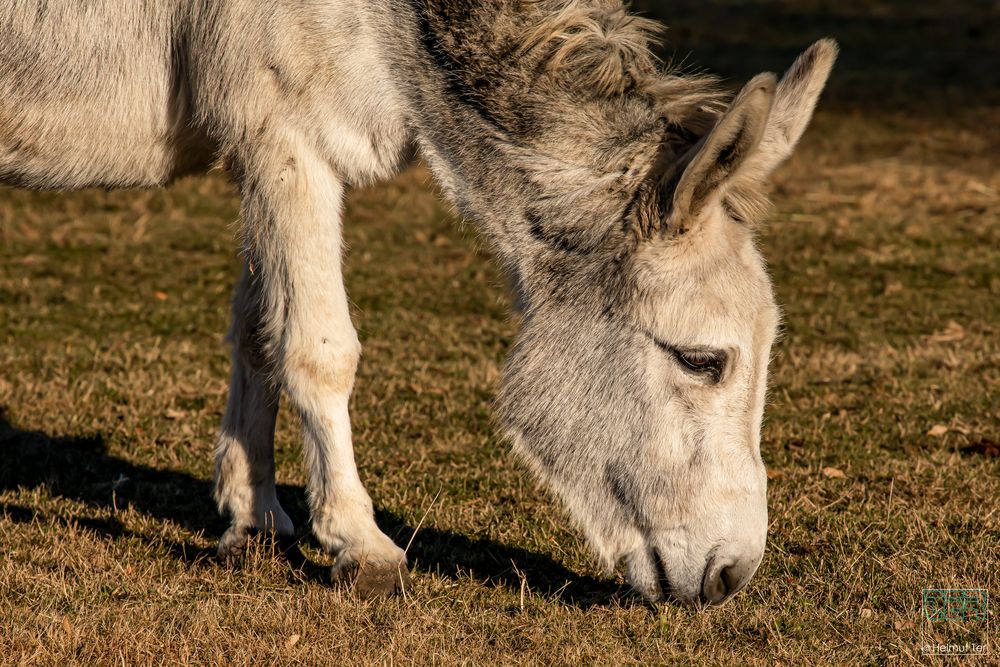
[880, 436]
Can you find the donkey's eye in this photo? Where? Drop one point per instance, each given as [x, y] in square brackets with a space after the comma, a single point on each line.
[709, 364]
[706, 363]
[696, 361]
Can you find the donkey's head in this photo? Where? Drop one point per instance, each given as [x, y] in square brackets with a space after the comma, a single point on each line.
[637, 385]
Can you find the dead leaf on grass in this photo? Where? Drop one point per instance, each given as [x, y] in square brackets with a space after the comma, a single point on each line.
[834, 472]
[937, 430]
[775, 474]
[892, 287]
[291, 641]
[160, 296]
[953, 331]
[981, 188]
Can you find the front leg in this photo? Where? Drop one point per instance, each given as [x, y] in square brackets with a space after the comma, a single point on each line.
[244, 455]
[292, 203]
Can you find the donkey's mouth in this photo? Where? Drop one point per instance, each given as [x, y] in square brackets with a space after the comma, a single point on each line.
[662, 578]
[649, 573]
[652, 573]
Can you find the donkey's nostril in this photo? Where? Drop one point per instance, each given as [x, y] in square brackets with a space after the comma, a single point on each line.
[723, 580]
[714, 588]
[727, 576]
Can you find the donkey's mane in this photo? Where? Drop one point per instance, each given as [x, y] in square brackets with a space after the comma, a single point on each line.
[625, 107]
[600, 48]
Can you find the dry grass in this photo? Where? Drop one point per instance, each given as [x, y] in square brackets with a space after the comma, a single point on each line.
[112, 381]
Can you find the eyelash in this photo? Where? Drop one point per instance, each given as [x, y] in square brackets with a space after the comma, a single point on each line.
[698, 362]
[706, 364]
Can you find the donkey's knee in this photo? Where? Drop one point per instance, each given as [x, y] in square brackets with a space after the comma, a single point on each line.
[318, 366]
[308, 346]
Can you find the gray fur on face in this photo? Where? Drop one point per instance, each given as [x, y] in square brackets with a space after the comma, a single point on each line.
[620, 198]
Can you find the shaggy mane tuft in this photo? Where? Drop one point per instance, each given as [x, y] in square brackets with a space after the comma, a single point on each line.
[602, 48]
[599, 47]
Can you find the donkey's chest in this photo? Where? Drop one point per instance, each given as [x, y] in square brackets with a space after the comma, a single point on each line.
[327, 79]
[358, 118]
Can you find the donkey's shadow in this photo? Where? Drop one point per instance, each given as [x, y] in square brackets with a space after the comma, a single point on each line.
[79, 468]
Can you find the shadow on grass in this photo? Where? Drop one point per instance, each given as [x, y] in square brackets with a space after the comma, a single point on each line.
[80, 469]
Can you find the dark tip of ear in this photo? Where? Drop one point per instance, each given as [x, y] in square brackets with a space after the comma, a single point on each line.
[823, 53]
[764, 83]
[757, 93]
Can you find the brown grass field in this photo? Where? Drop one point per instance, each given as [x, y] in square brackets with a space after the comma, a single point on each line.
[881, 434]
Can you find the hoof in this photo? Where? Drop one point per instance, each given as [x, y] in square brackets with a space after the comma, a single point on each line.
[373, 580]
[235, 543]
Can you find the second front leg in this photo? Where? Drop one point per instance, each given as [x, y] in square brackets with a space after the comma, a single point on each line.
[292, 207]
[342, 512]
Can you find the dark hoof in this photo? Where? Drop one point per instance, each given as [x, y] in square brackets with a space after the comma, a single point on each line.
[373, 580]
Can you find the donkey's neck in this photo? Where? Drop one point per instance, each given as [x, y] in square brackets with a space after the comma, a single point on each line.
[540, 118]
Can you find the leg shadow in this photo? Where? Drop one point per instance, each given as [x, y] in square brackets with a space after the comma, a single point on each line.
[454, 555]
[79, 468]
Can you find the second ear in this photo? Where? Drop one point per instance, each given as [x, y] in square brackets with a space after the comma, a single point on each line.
[719, 156]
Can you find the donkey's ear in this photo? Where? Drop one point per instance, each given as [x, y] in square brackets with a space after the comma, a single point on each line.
[794, 102]
[722, 153]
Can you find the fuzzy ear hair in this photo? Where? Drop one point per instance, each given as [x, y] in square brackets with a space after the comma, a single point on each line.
[721, 154]
[794, 102]
[758, 132]
[677, 189]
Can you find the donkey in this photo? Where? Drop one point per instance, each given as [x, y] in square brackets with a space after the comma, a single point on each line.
[620, 196]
